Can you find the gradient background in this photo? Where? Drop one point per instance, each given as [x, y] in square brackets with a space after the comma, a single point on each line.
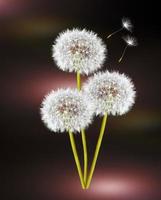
[37, 164]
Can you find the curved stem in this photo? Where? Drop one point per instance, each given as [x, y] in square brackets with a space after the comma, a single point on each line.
[76, 158]
[85, 155]
[97, 150]
[123, 53]
[114, 33]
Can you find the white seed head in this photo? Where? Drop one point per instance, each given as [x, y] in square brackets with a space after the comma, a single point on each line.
[126, 23]
[111, 93]
[79, 50]
[66, 110]
[130, 41]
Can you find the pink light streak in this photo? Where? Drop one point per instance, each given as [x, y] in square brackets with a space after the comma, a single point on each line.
[27, 88]
[123, 183]
[11, 7]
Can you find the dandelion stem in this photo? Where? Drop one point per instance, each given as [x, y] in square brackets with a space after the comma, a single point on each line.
[76, 158]
[85, 155]
[102, 130]
[123, 54]
[78, 81]
[114, 33]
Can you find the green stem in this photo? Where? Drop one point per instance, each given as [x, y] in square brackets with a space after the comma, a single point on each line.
[76, 158]
[85, 155]
[104, 121]
[78, 81]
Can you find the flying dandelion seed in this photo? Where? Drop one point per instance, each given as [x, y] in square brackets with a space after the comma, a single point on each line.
[130, 42]
[79, 50]
[126, 24]
[66, 109]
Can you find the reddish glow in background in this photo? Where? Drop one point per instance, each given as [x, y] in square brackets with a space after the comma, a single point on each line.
[37, 164]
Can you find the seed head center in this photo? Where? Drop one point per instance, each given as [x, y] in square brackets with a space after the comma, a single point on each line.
[79, 47]
[68, 108]
[109, 91]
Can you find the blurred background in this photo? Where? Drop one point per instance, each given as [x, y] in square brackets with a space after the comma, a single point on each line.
[38, 164]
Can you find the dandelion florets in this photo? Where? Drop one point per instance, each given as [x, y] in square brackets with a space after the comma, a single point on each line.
[66, 110]
[126, 24]
[79, 50]
[111, 93]
[130, 41]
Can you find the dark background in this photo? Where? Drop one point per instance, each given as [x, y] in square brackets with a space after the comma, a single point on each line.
[38, 164]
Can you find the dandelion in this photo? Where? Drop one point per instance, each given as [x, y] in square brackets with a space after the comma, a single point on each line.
[79, 51]
[66, 109]
[111, 93]
[83, 52]
[130, 42]
[126, 24]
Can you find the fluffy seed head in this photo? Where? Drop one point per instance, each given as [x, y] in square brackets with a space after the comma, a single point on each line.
[130, 41]
[79, 50]
[126, 23]
[111, 93]
[66, 109]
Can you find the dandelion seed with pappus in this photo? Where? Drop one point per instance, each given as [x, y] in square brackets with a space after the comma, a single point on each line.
[130, 42]
[126, 24]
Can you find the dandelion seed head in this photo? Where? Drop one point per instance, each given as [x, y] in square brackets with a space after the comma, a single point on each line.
[130, 41]
[79, 50]
[111, 93]
[66, 109]
[126, 23]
